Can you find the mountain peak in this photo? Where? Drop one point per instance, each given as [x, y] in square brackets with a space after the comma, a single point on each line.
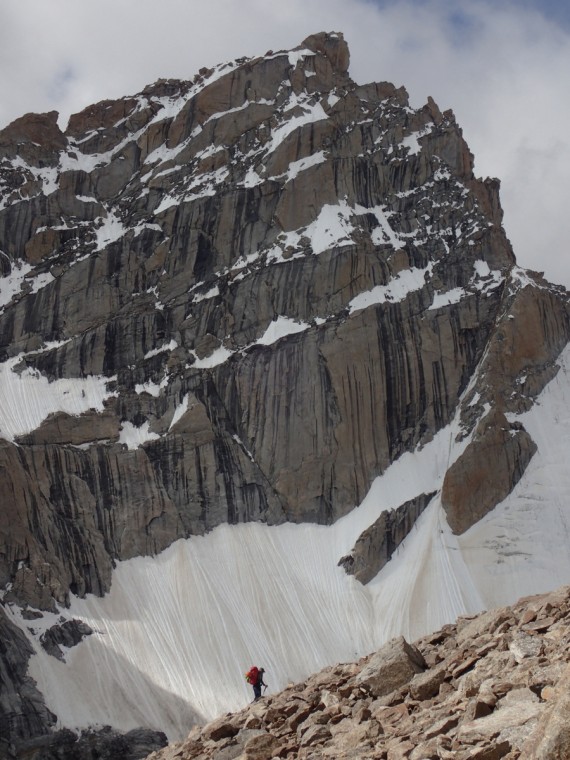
[36, 137]
[332, 45]
[264, 307]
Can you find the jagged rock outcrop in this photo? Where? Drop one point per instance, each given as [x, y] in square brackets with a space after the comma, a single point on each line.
[35, 138]
[518, 364]
[488, 686]
[22, 709]
[487, 470]
[391, 667]
[376, 544]
[552, 735]
[67, 634]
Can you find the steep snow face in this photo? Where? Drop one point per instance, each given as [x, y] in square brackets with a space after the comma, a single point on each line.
[176, 632]
[522, 546]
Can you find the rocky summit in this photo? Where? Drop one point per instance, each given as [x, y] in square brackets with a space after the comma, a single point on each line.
[266, 296]
[491, 686]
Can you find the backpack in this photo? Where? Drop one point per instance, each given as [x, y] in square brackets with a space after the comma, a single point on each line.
[252, 675]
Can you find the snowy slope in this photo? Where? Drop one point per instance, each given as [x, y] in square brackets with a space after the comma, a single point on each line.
[176, 632]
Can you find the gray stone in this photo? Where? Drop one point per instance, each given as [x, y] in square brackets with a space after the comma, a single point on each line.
[551, 738]
[66, 634]
[485, 728]
[524, 645]
[23, 712]
[393, 666]
[426, 685]
[376, 545]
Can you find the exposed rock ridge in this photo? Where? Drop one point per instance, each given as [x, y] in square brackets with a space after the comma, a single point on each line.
[487, 471]
[375, 546]
[22, 709]
[489, 686]
[519, 361]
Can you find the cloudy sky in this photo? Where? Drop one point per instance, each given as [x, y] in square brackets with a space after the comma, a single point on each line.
[503, 66]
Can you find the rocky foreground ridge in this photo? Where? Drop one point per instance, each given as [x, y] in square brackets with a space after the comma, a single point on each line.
[491, 686]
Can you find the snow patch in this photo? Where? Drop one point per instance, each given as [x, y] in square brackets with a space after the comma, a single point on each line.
[299, 55]
[109, 231]
[411, 142]
[179, 412]
[332, 227]
[28, 398]
[384, 234]
[41, 280]
[279, 328]
[166, 347]
[212, 293]
[296, 167]
[11, 284]
[219, 356]
[133, 436]
[446, 299]
[311, 113]
[251, 178]
[399, 287]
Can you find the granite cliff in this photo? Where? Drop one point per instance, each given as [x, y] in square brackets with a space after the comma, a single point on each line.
[242, 298]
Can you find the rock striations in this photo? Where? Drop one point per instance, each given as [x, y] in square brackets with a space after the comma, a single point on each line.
[264, 285]
[242, 298]
[487, 687]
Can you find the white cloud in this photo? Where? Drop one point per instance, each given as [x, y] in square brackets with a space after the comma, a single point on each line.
[502, 69]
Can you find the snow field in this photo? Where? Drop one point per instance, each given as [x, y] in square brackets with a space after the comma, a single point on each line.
[176, 632]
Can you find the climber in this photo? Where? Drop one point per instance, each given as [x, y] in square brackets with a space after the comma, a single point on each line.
[254, 676]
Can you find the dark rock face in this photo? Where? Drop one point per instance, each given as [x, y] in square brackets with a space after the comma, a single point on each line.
[376, 544]
[104, 744]
[22, 709]
[486, 472]
[258, 288]
[66, 634]
[174, 230]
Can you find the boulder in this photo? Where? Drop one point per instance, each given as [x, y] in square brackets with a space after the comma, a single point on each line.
[551, 738]
[393, 666]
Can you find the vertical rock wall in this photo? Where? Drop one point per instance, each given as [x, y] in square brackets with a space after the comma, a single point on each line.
[284, 280]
